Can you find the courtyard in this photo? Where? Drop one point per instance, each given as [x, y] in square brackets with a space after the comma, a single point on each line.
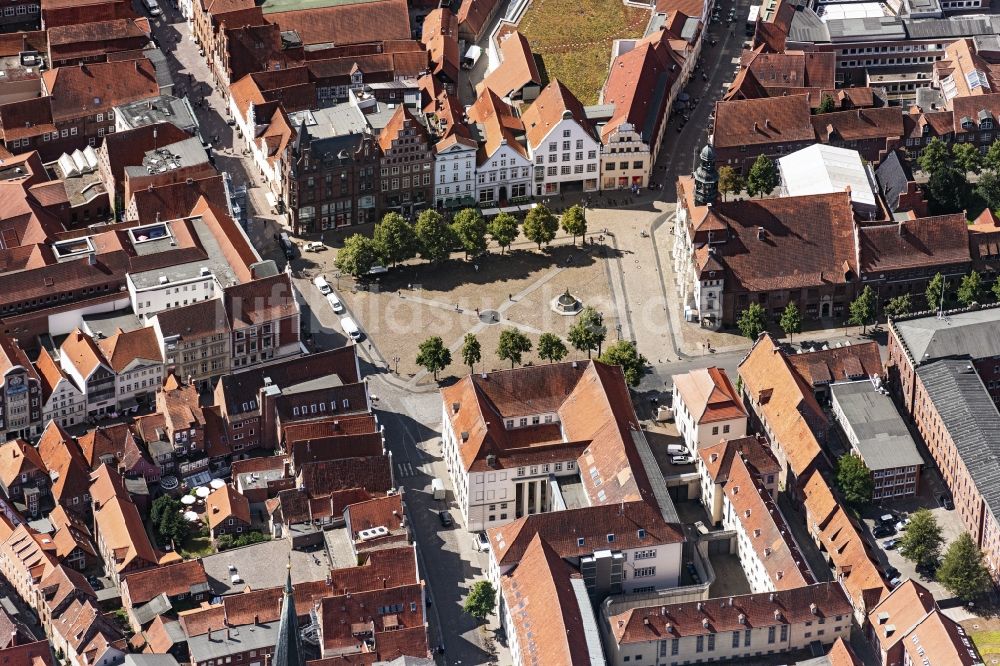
[572, 39]
[417, 300]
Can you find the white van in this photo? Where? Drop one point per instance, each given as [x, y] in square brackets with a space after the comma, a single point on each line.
[350, 328]
[676, 450]
[437, 489]
[322, 285]
[152, 7]
[334, 302]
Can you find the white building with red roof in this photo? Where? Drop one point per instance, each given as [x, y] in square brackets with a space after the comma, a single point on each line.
[707, 408]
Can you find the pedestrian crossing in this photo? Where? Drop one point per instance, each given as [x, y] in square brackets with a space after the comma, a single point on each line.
[405, 470]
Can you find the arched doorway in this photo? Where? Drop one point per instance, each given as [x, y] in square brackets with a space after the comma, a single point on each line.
[824, 311]
[503, 194]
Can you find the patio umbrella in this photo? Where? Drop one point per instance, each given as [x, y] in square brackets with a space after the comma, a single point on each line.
[202, 492]
[190, 516]
[217, 483]
[187, 500]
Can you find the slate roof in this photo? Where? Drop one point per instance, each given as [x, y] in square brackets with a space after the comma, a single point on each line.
[892, 175]
[884, 441]
[967, 334]
[970, 417]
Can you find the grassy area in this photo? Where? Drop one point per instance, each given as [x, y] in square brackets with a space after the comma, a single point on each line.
[198, 544]
[987, 642]
[572, 39]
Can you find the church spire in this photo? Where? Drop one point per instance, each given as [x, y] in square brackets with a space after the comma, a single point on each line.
[706, 178]
[288, 649]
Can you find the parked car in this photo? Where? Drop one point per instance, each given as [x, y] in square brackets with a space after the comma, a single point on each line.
[700, 526]
[445, 519]
[482, 541]
[335, 303]
[377, 270]
[891, 572]
[945, 501]
[887, 519]
[314, 246]
[322, 285]
[681, 460]
[881, 531]
[890, 544]
[902, 525]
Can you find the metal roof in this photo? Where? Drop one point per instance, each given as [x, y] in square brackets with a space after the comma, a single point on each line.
[971, 419]
[966, 334]
[874, 426]
[820, 169]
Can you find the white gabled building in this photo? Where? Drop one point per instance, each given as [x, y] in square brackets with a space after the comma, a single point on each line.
[563, 144]
[707, 408]
[82, 360]
[503, 169]
[455, 171]
[63, 401]
[138, 365]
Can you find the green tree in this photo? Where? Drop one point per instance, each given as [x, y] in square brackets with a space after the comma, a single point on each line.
[971, 289]
[503, 229]
[967, 157]
[730, 181]
[172, 527]
[472, 351]
[161, 505]
[433, 356]
[988, 187]
[992, 159]
[791, 320]
[921, 543]
[763, 177]
[357, 256]
[574, 222]
[551, 347]
[470, 229]
[855, 480]
[962, 570]
[540, 226]
[589, 331]
[625, 354]
[996, 290]
[436, 238]
[947, 191]
[863, 309]
[898, 306]
[934, 157]
[512, 345]
[752, 321]
[394, 239]
[934, 292]
[481, 601]
[826, 105]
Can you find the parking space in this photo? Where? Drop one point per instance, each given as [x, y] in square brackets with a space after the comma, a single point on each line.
[887, 537]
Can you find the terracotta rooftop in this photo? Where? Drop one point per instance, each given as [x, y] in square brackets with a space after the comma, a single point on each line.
[763, 121]
[552, 105]
[353, 23]
[709, 395]
[825, 366]
[589, 399]
[718, 458]
[715, 616]
[500, 126]
[226, 503]
[182, 578]
[633, 524]
[123, 348]
[859, 124]
[260, 301]
[544, 607]
[17, 457]
[119, 525]
[82, 90]
[517, 66]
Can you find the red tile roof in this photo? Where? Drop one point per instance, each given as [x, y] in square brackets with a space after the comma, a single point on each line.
[119, 525]
[87, 89]
[517, 67]
[859, 124]
[562, 530]
[17, 457]
[770, 120]
[355, 23]
[825, 366]
[63, 459]
[718, 458]
[226, 503]
[500, 126]
[173, 580]
[545, 610]
[260, 301]
[177, 199]
[344, 618]
[388, 567]
[549, 109]
[474, 14]
[715, 616]
[440, 36]
[123, 348]
[709, 395]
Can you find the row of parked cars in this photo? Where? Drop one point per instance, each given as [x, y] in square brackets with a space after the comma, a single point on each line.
[347, 323]
[679, 455]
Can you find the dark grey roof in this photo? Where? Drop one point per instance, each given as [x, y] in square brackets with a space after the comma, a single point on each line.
[974, 334]
[868, 28]
[807, 26]
[288, 649]
[893, 175]
[147, 612]
[953, 27]
[874, 426]
[971, 419]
